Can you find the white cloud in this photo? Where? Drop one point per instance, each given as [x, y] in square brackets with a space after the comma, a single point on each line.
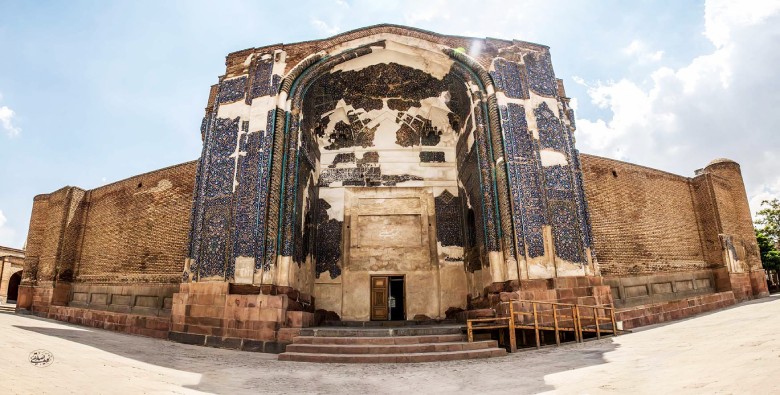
[324, 27]
[723, 104]
[6, 118]
[723, 16]
[763, 192]
[7, 235]
[426, 11]
[639, 50]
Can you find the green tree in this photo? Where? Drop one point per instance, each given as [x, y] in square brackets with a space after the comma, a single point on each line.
[770, 256]
[768, 233]
[768, 220]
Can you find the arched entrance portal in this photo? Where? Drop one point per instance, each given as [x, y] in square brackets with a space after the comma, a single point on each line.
[388, 153]
[13, 287]
[391, 160]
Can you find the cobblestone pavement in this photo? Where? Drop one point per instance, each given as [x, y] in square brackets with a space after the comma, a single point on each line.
[736, 350]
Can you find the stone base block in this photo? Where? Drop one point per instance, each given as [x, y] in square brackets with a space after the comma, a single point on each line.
[243, 344]
[674, 310]
[758, 283]
[210, 314]
[126, 323]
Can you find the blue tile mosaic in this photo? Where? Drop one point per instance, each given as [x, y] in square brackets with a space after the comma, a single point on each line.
[328, 242]
[247, 198]
[523, 168]
[232, 90]
[449, 229]
[541, 78]
[264, 169]
[582, 203]
[214, 250]
[432, 156]
[486, 186]
[220, 168]
[263, 82]
[565, 230]
[552, 133]
[343, 158]
[558, 178]
[510, 78]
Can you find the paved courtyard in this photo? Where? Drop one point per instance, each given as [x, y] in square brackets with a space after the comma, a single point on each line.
[736, 350]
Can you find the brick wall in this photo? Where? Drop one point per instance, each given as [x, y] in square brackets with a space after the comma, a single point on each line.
[644, 220]
[133, 230]
[703, 201]
[52, 232]
[35, 239]
[733, 210]
[136, 230]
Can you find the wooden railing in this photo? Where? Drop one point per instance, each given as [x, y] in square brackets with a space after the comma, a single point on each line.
[546, 316]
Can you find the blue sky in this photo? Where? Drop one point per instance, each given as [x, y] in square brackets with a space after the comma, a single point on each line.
[92, 92]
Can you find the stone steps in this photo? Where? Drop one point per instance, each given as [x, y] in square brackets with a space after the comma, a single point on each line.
[381, 332]
[387, 345]
[393, 358]
[7, 309]
[380, 324]
[379, 341]
[390, 349]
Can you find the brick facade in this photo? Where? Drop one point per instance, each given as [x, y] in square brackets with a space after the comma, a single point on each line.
[648, 223]
[119, 248]
[644, 220]
[149, 244]
[11, 265]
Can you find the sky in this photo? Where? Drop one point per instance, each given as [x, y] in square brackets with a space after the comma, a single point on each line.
[92, 92]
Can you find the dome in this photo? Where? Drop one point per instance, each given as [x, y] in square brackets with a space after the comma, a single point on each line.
[720, 160]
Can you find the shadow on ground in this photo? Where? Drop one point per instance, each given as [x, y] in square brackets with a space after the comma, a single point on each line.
[231, 371]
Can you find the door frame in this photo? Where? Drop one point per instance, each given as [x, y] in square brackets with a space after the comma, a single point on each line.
[387, 276]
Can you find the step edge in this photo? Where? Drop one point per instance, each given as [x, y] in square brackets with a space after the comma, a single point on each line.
[481, 351]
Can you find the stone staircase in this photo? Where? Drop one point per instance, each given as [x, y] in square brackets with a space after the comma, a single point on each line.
[383, 345]
[7, 308]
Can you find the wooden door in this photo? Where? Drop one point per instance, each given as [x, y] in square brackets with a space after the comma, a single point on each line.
[379, 290]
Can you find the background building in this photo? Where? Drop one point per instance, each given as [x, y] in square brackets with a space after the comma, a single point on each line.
[11, 265]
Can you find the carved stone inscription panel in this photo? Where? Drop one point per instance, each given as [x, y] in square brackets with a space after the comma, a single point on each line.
[389, 230]
[398, 230]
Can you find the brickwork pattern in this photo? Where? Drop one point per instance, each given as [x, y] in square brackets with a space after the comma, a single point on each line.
[35, 238]
[734, 212]
[489, 48]
[52, 234]
[136, 229]
[703, 201]
[644, 220]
